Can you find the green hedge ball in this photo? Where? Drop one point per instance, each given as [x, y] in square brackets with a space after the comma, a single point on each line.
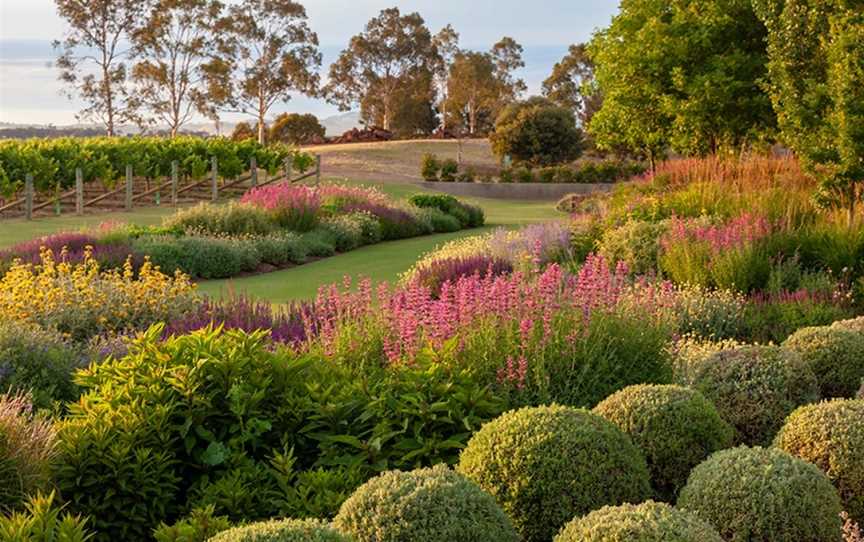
[547, 465]
[289, 530]
[830, 435]
[676, 428]
[428, 505]
[835, 355]
[646, 522]
[763, 494]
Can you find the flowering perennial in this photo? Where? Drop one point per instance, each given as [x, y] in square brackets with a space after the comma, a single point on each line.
[81, 300]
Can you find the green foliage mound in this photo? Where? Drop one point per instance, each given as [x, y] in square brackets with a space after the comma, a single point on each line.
[546, 465]
[675, 427]
[636, 243]
[763, 494]
[229, 219]
[433, 505]
[537, 132]
[755, 387]
[835, 355]
[289, 530]
[830, 435]
[646, 522]
[37, 361]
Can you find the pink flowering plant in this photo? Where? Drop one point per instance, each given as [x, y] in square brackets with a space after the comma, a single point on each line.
[729, 255]
[553, 336]
[295, 207]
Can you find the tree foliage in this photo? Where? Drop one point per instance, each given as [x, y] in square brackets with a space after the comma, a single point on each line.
[93, 56]
[481, 84]
[572, 85]
[296, 129]
[816, 67]
[272, 53]
[685, 74]
[537, 132]
[174, 48]
[394, 52]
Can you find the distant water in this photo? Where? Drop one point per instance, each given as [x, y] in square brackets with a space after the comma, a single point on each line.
[30, 92]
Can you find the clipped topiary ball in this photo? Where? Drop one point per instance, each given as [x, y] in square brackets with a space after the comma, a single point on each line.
[646, 522]
[763, 494]
[831, 436]
[549, 464]
[755, 387]
[288, 530]
[675, 427]
[834, 354]
[432, 505]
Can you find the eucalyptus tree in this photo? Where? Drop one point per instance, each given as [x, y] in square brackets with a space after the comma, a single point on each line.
[176, 54]
[93, 57]
[393, 52]
[270, 53]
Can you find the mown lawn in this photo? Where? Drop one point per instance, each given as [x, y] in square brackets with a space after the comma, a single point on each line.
[381, 262]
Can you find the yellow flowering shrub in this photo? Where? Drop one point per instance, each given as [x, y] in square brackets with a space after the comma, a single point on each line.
[82, 301]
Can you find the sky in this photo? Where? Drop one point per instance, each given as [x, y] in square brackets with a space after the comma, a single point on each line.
[30, 92]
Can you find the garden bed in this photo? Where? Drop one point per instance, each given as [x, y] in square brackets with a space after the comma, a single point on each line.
[663, 365]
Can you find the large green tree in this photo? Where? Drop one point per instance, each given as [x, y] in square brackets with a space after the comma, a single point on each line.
[816, 67]
[270, 53]
[683, 73]
[395, 52]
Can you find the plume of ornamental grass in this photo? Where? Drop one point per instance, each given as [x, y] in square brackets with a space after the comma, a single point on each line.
[28, 445]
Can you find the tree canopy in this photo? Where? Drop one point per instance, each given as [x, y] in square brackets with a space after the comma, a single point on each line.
[816, 67]
[395, 52]
[571, 84]
[684, 74]
[272, 53]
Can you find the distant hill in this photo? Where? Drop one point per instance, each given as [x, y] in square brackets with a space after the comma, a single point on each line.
[334, 126]
[339, 124]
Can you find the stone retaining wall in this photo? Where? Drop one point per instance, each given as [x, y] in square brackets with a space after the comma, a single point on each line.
[523, 191]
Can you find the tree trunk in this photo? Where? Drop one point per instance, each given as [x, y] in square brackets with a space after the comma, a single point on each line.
[261, 136]
[472, 119]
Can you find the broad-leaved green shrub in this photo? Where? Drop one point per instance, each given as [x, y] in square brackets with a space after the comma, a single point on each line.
[42, 520]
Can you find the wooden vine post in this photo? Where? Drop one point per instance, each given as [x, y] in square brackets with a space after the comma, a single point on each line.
[215, 181]
[175, 175]
[28, 196]
[79, 192]
[129, 181]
